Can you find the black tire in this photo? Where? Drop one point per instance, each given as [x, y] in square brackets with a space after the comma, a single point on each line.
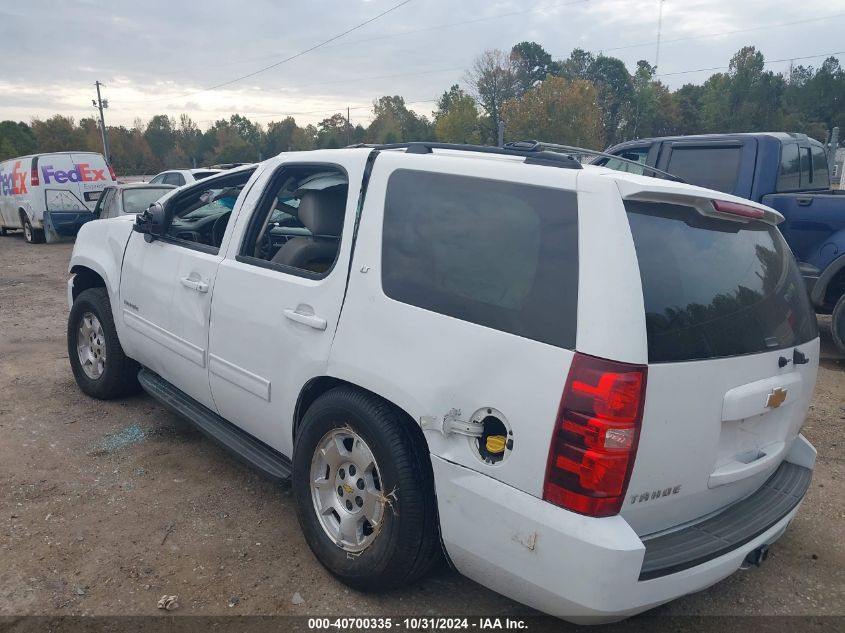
[4, 231]
[31, 234]
[407, 543]
[119, 375]
[837, 324]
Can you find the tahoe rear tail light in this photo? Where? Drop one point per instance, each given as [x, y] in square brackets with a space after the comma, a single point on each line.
[33, 177]
[596, 434]
[111, 173]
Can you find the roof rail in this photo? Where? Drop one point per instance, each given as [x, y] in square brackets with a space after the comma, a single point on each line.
[555, 147]
[533, 155]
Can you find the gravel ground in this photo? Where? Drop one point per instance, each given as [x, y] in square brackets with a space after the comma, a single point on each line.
[106, 506]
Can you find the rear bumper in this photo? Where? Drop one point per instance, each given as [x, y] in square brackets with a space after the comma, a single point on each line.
[575, 567]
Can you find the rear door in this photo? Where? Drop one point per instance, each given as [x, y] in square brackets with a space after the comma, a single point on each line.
[729, 325]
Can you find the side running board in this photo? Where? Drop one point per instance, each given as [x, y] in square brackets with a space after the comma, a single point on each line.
[245, 447]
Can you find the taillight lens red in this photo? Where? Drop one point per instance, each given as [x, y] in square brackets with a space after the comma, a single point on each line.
[111, 173]
[33, 177]
[596, 433]
[735, 208]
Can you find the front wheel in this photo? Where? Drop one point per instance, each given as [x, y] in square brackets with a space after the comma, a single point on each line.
[100, 367]
[364, 491]
[837, 324]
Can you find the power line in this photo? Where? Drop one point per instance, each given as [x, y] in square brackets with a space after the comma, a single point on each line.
[334, 110]
[420, 30]
[723, 33]
[765, 63]
[287, 59]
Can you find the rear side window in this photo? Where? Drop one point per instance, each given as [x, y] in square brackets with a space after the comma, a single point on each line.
[806, 170]
[789, 177]
[499, 254]
[821, 175]
[199, 175]
[715, 167]
[715, 288]
[638, 155]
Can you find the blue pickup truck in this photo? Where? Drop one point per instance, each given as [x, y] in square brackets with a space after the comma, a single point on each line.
[788, 172]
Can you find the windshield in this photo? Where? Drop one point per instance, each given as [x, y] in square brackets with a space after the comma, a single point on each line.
[137, 200]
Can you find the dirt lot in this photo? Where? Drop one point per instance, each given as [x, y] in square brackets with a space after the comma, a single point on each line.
[105, 507]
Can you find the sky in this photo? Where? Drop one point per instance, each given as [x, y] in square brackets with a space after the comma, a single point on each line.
[160, 57]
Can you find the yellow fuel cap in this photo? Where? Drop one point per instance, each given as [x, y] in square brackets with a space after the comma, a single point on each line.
[496, 444]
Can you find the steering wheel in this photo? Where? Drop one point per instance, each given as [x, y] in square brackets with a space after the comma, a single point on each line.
[219, 228]
[264, 247]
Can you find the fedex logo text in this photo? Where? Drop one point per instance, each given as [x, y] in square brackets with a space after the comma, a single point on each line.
[80, 173]
[14, 183]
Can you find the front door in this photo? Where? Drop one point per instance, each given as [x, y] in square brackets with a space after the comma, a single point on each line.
[279, 291]
[167, 284]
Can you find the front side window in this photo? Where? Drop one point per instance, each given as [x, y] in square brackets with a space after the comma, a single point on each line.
[503, 255]
[298, 223]
[201, 215]
[174, 178]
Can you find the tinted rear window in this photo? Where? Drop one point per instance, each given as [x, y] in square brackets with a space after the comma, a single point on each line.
[821, 175]
[712, 167]
[502, 255]
[714, 288]
[789, 177]
[199, 175]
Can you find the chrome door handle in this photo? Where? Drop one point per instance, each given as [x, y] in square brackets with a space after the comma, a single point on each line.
[195, 284]
[306, 319]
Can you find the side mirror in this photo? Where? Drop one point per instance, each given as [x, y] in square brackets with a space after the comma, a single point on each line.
[151, 222]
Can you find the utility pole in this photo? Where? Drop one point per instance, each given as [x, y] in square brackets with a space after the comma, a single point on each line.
[659, 31]
[101, 104]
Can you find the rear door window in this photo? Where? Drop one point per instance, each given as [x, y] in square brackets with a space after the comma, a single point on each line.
[821, 175]
[714, 288]
[499, 254]
[789, 177]
[714, 167]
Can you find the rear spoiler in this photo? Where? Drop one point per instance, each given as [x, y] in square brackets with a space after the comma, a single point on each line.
[705, 201]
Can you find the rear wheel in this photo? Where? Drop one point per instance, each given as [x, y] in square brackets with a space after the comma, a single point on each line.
[364, 492]
[837, 324]
[4, 231]
[99, 365]
[30, 233]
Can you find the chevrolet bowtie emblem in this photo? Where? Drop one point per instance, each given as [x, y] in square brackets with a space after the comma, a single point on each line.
[348, 489]
[776, 398]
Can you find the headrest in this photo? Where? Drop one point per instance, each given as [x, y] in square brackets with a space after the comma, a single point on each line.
[322, 211]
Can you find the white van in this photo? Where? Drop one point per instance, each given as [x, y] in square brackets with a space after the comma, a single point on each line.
[50, 196]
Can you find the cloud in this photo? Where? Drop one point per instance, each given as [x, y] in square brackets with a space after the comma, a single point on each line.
[158, 56]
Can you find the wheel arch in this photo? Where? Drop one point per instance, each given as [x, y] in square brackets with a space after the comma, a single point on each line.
[85, 278]
[319, 385]
[830, 285]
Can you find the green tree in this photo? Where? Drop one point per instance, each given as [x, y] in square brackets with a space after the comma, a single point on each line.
[16, 139]
[556, 111]
[456, 118]
[492, 80]
[160, 136]
[615, 87]
[57, 134]
[393, 122]
[334, 132]
[531, 64]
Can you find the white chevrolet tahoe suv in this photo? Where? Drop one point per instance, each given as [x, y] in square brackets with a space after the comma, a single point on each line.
[585, 387]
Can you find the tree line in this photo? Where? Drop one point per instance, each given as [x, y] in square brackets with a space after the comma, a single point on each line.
[587, 100]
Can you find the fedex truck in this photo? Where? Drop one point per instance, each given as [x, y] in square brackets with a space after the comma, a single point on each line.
[50, 196]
